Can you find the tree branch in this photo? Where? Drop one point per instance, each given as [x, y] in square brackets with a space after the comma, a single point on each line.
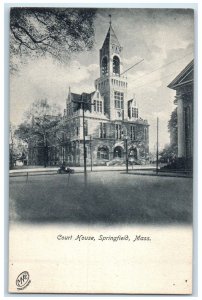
[30, 36]
[38, 19]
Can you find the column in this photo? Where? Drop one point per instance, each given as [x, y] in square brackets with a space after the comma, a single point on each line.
[180, 124]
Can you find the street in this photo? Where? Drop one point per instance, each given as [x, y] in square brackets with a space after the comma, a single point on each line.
[109, 198]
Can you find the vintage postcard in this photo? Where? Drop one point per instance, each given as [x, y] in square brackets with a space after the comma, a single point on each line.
[101, 150]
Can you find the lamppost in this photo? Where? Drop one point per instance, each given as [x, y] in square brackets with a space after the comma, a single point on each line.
[126, 145]
[157, 146]
[91, 157]
[89, 138]
[126, 139]
[62, 144]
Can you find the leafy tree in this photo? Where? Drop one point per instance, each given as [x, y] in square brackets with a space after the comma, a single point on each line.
[12, 155]
[172, 127]
[17, 149]
[169, 153]
[39, 130]
[37, 31]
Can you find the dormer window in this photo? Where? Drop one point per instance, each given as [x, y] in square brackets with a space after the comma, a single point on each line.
[134, 112]
[98, 107]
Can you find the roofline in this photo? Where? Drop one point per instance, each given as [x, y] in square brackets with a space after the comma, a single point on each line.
[110, 28]
[173, 82]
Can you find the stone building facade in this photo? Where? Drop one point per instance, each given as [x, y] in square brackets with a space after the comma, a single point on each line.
[112, 122]
[183, 84]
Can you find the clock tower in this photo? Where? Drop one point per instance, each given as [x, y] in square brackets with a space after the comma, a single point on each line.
[112, 84]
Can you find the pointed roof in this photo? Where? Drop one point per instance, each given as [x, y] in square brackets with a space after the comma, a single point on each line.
[111, 38]
[184, 77]
[77, 98]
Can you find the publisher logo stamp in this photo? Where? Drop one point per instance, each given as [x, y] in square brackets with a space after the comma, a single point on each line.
[23, 280]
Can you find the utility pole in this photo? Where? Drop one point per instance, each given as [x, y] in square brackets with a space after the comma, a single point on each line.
[125, 138]
[84, 145]
[82, 102]
[45, 150]
[157, 146]
[126, 155]
[91, 158]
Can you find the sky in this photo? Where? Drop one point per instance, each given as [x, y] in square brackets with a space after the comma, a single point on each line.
[164, 38]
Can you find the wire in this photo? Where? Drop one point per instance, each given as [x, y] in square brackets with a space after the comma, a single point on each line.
[153, 81]
[171, 62]
[131, 67]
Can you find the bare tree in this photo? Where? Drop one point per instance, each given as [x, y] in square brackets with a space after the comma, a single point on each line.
[42, 122]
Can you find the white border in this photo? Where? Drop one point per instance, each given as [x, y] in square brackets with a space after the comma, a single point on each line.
[4, 155]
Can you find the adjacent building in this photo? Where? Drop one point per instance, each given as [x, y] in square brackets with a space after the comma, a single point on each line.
[183, 84]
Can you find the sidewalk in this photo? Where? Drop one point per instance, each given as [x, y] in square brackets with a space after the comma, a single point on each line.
[147, 170]
[81, 169]
[164, 173]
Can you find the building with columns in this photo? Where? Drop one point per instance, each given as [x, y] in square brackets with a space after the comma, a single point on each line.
[183, 84]
[112, 121]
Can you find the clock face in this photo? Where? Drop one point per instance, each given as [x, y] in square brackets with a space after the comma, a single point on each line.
[116, 49]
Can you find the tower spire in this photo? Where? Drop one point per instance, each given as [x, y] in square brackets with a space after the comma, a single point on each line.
[110, 19]
[69, 96]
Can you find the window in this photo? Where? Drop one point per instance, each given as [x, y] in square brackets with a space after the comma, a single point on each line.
[134, 112]
[116, 65]
[104, 66]
[118, 131]
[98, 107]
[103, 153]
[133, 132]
[145, 133]
[102, 131]
[118, 99]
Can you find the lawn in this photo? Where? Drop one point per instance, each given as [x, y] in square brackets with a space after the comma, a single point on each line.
[110, 197]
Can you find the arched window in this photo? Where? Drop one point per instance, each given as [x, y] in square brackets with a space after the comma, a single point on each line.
[103, 152]
[118, 152]
[104, 66]
[116, 65]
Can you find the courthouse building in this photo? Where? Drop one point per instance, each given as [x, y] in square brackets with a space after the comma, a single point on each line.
[112, 120]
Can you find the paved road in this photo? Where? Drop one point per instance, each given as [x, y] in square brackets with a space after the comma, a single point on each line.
[110, 197]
